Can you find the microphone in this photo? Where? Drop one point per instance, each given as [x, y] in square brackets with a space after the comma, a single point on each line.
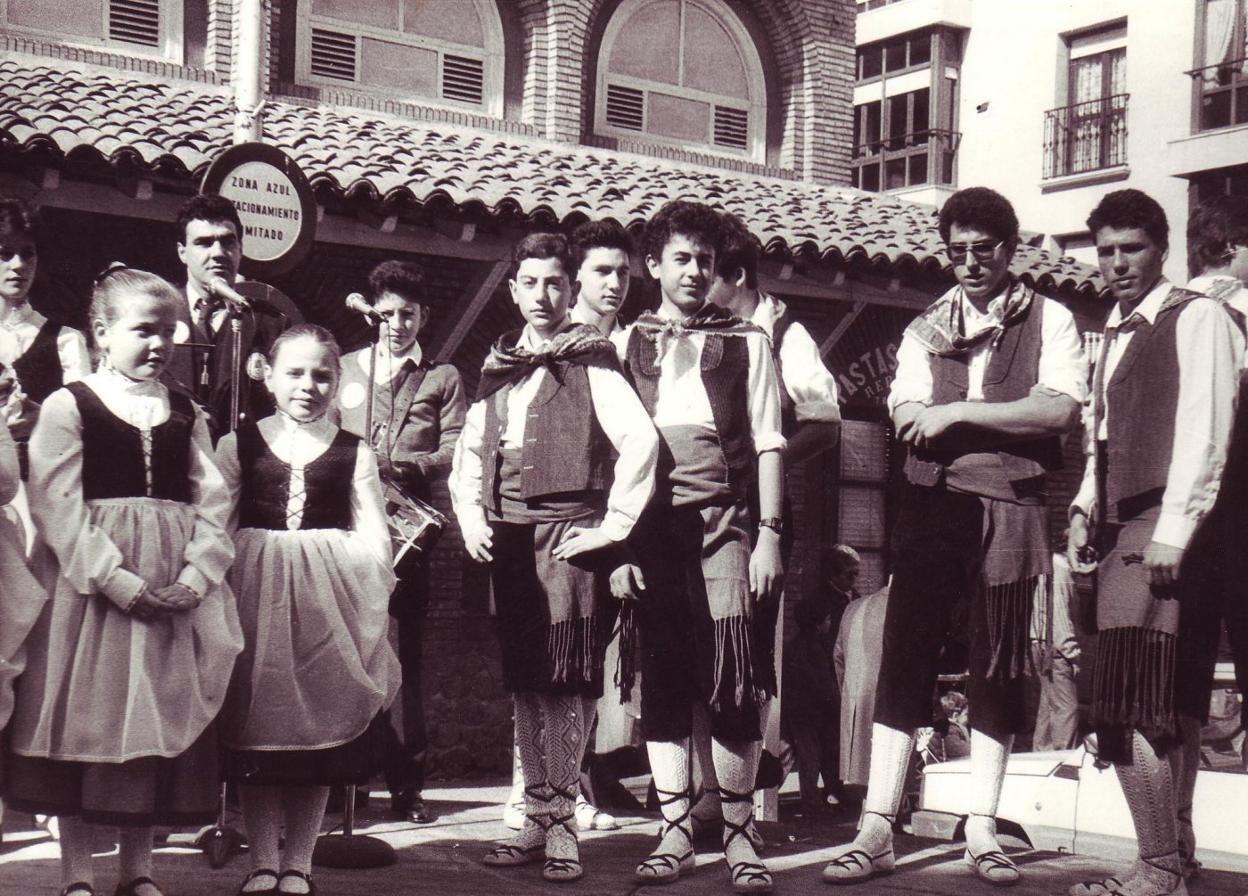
[218, 287]
[359, 304]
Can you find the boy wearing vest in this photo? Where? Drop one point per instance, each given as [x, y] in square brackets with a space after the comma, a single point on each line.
[810, 420]
[988, 379]
[418, 412]
[554, 466]
[1159, 425]
[601, 252]
[709, 383]
[1217, 252]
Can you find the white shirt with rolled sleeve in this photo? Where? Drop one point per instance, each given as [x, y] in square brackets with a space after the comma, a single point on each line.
[809, 383]
[620, 414]
[1063, 367]
[681, 398]
[1210, 353]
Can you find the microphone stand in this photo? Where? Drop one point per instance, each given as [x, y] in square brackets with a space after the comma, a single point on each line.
[349, 849]
[236, 366]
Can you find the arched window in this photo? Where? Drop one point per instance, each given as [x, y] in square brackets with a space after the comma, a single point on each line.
[410, 49]
[684, 72]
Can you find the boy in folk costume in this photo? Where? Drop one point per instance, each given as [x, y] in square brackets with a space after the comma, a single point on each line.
[1168, 355]
[418, 412]
[810, 420]
[1217, 252]
[708, 381]
[539, 497]
[988, 379]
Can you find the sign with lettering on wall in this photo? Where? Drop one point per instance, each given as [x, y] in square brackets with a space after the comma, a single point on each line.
[274, 202]
[865, 358]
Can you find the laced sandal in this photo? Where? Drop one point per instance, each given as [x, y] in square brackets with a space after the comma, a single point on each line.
[1095, 887]
[747, 877]
[562, 869]
[590, 818]
[298, 875]
[666, 867]
[259, 872]
[514, 853]
[855, 864]
[994, 867]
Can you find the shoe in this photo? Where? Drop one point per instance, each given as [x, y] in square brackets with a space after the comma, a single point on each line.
[306, 878]
[562, 871]
[132, 888]
[856, 865]
[591, 818]
[259, 872]
[994, 867]
[514, 853]
[78, 888]
[667, 867]
[413, 811]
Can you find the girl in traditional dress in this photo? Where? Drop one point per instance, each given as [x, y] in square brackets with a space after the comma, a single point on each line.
[130, 662]
[313, 580]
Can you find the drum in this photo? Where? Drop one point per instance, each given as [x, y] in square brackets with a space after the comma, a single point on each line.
[414, 524]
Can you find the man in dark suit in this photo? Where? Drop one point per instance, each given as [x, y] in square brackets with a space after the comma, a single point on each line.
[210, 244]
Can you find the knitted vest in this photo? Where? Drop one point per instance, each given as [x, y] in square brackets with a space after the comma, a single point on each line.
[725, 366]
[265, 485]
[112, 451]
[565, 450]
[1141, 398]
[1016, 472]
[39, 368]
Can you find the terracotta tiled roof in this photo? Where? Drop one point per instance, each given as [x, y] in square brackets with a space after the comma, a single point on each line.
[177, 128]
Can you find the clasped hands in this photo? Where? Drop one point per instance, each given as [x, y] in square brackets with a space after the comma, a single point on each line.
[153, 603]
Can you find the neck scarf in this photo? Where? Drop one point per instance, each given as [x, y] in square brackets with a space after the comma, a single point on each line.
[508, 362]
[710, 318]
[940, 329]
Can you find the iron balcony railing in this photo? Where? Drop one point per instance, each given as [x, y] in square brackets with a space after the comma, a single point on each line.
[1222, 92]
[1086, 136]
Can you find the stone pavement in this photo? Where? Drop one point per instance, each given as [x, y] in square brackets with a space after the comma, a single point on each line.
[443, 858]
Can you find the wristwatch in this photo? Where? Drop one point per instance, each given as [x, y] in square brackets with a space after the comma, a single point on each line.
[772, 522]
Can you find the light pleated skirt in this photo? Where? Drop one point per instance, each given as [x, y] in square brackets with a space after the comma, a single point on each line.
[317, 666]
[103, 686]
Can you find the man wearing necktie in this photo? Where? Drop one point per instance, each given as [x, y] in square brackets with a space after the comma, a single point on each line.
[1159, 424]
[210, 237]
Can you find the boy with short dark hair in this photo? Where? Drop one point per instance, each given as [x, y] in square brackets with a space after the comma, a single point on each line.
[708, 382]
[418, 412]
[540, 498]
[602, 253]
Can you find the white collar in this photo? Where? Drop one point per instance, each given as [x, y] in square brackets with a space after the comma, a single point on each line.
[114, 382]
[767, 312]
[16, 315]
[1147, 308]
[531, 341]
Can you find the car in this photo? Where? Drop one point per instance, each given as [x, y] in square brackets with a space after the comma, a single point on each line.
[1070, 801]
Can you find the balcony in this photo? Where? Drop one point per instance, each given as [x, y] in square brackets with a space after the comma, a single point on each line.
[909, 160]
[1223, 94]
[1088, 136]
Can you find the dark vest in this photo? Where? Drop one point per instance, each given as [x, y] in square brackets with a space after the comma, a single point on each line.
[112, 451]
[1142, 398]
[565, 450]
[265, 485]
[1014, 473]
[39, 369]
[725, 366]
[788, 410]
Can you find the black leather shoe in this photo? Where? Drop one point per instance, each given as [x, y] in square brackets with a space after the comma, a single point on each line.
[414, 812]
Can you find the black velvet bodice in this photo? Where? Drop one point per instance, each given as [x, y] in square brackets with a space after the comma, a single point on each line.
[266, 479]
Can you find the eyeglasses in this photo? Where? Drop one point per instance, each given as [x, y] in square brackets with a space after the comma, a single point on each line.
[983, 251]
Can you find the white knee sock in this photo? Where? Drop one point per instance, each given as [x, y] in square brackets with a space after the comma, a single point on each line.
[704, 781]
[988, 759]
[890, 757]
[669, 763]
[736, 764]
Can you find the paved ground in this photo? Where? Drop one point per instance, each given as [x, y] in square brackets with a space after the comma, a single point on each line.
[442, 858]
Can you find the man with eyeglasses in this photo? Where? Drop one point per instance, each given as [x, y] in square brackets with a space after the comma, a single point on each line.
[1217, 258]
[989, 378]
[1159, 424]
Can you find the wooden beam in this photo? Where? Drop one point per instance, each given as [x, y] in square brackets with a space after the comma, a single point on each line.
[481, 289]
[841, 326]
[852, 290]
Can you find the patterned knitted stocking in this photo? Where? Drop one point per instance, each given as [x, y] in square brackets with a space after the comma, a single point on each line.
[1184, 764]
[1148, 785]
[530, 746]
[988, 758]
[566, 725]
[736, 763]
[669, 763]
[706, 808]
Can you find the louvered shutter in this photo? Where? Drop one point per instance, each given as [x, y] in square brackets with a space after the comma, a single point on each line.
[134, 22]
[333, 54]
[625, 107]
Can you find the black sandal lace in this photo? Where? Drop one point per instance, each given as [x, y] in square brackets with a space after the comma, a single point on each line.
[750, 877]
[666, 865]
